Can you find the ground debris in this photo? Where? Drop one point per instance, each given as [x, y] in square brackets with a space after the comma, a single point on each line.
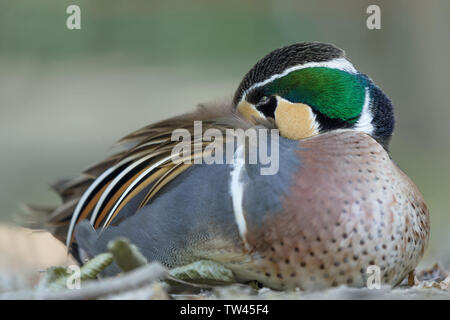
[142, 280]
[435, 277]
[133, 282]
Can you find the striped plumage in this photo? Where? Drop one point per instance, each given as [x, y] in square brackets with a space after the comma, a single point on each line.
[103, 189]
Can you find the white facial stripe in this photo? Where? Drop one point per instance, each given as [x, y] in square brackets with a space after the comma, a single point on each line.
[338, 63]
[315, 127]
[364, 123]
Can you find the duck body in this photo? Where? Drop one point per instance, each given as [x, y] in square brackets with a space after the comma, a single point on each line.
[336, 204]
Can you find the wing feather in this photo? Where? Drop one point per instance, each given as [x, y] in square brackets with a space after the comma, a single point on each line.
[102, 191]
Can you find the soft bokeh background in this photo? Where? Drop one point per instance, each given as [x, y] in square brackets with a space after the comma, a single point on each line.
[67, 96]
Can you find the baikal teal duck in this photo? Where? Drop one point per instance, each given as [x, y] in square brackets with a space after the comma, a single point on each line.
[336, 205]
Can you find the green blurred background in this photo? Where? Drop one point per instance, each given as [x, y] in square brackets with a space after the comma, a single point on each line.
[66, 96]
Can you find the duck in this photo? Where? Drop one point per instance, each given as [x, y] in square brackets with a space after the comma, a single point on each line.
[335, 205]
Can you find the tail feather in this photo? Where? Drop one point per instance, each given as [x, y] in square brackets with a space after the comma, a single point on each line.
[63, 213]
[69, 189]
[55, 219]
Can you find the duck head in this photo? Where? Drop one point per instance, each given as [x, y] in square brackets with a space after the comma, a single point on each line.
[311, 88]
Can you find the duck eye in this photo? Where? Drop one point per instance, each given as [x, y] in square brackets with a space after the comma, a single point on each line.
[267, 106]
[263, 100]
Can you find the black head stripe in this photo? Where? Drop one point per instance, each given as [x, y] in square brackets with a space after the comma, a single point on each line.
[268, 107]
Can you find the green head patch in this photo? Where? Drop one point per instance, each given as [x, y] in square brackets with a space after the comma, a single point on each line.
[334, 93]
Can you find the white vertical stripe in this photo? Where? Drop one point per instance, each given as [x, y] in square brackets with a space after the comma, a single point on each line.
[364, 123]
[237, 191]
